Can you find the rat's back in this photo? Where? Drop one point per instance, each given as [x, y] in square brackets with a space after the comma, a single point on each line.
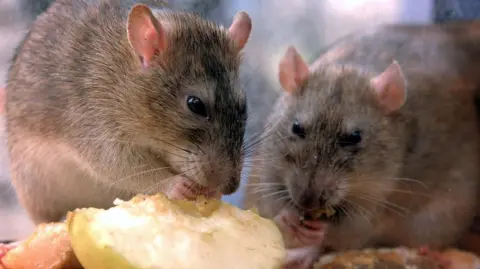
[75, 43]
[72, 51]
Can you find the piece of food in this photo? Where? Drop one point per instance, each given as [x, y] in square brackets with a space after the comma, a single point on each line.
[156, 232]
[397, 258]
[47, 248]
[327, 212]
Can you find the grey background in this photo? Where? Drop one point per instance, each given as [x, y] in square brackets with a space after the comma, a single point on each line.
[310, 25]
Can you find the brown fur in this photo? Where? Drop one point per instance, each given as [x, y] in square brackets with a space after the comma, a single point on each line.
[86, 124]
[418, 166]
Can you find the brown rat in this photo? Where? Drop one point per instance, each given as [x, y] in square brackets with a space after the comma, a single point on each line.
[391, 146]
[111, 98]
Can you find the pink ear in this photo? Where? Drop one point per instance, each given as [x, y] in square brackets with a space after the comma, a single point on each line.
[2, 101]
[293, 70]
[390, 87]
[240, 29]
[145, 33]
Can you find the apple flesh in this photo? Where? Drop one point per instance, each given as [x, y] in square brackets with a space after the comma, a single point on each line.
[154, 232]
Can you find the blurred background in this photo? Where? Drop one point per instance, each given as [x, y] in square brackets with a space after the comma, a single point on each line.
[310, 25]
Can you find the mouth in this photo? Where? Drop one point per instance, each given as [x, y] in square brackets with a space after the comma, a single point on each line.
[331, 215]
[185, 188]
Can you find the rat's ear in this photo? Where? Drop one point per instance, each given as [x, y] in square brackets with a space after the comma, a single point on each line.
[146, 34]
[292, 71]
[240, 29]
[391, 87]
[2, 101]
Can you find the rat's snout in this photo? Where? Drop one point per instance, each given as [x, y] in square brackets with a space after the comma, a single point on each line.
[231, 186]
[312, 200]
[316, 198]
[317, 205]
[222, 174]
[316, 192]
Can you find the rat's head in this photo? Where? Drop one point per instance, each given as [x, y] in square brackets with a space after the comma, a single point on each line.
[337, 139]
[186, 77]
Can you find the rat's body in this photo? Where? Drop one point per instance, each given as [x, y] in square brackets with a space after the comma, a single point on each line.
[108, 100]
[410, 176]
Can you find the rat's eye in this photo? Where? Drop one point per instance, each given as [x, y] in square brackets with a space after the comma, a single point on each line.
[351, 139]
[298, 130]
[196, 106]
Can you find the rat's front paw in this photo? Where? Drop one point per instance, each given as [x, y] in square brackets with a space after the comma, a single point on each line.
[297, 233]
[307, 236]
[186, 189]
[302, 258]
[4, 249]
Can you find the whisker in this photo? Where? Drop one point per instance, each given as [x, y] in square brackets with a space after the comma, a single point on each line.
[265, 184]
[137, 174]
[343, 208]
[263, 197]
[127, 143]
[263, 134]
[378, 184]
[260, 190]
[362, 210]
[281, 198]
[404, 180]
[401, 211]
[165, 181]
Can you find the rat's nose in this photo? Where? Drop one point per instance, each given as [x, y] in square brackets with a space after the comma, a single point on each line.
[322, 201]
[312, 201]
[231, 186]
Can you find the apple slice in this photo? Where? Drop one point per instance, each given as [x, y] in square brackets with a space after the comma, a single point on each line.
[154, 232]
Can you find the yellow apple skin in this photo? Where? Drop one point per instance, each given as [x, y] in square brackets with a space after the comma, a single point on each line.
[90, 253]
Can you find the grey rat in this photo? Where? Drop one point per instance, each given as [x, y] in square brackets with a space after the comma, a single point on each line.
[108, 99]
[383, 129]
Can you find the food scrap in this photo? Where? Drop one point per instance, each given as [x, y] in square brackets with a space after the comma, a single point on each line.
[324, 212]
[47, 248]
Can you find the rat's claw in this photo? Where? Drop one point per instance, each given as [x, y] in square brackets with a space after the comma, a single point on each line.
[284, 222]
[180, 190]
[309, 237]
[296, 234]
[4, 249]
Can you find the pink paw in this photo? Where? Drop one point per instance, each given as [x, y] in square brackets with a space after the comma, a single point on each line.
[186, 189]
[4, 249]
[299, 233]
[302, 258]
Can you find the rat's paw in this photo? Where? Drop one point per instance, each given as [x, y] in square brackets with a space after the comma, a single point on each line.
[307, 236]
[299, 234]
[302, 258]
[436, 256]
[186, 189]
[4, 249]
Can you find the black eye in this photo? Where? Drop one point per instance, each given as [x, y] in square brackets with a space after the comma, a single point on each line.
[196, 106]
[351, 139]
[298, 130]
